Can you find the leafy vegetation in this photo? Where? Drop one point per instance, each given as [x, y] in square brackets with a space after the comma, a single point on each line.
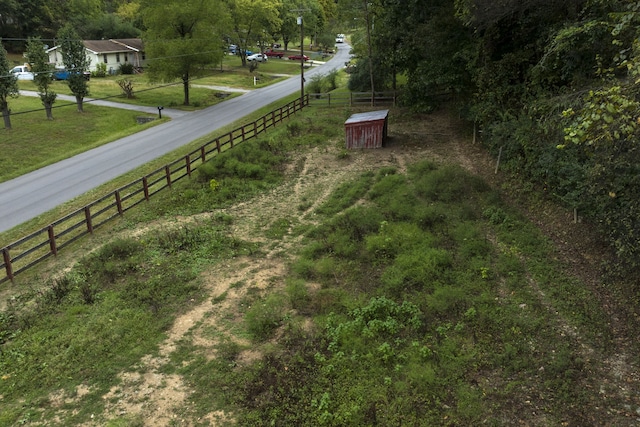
[417, 297]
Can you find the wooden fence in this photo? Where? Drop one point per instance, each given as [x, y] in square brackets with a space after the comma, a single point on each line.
[41, 244]
[353, 99]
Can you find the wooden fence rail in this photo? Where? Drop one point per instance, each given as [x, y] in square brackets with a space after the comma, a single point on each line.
[41, 244]
[353, 99]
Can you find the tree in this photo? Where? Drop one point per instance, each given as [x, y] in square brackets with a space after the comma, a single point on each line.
[182, 38]
[76, 61]
[288, 29]
[39, 61]
[108, 26]
[250, 20]
[8, 86]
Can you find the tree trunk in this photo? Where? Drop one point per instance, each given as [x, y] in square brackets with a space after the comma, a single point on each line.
[6, 115]
[185, 85]
[49, 109]
[79, 103]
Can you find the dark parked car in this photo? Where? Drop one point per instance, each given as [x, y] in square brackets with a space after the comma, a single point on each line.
[298, 57]
[273, 53]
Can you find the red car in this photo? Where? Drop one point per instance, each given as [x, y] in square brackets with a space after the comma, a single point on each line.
[273, 53]
[298, 57]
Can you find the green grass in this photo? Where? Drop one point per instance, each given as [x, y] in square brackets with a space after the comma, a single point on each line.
[423, 313]
[34, 142]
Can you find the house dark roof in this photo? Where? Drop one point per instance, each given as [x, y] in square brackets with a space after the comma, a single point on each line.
[114, 45]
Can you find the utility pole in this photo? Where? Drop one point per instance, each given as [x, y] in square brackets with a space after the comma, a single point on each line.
[300, 22]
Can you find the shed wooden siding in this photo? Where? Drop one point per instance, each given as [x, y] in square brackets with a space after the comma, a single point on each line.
[366, 130]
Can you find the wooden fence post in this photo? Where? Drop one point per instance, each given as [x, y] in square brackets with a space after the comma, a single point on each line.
[87, 216]
[52, 240]
[167, 172]
[119, 202]
[203, 153]
[218, 145]
[7, 263]
[145, 187]
[188, 160]
[231, 139]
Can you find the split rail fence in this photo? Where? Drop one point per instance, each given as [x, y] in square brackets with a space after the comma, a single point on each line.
[353, 99]
[23, 254]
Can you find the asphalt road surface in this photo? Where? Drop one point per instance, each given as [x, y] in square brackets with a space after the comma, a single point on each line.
[28, 196]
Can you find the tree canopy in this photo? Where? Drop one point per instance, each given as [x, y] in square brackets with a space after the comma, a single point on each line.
[8, 86]
[76, 62]
[39, 60]
[182, 38]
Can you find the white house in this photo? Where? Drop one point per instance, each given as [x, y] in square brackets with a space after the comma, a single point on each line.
[113, 52]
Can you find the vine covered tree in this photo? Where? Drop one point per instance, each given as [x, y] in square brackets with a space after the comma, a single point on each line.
[39, 61]
[8, 86]
[182, 38]
[76, 61]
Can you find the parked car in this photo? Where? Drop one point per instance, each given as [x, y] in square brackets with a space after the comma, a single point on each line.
[297, 57]
[23, 72]
[273, 53]
[61, 73]
[258, 57]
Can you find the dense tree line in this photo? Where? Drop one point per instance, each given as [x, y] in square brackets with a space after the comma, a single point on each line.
[553, 85]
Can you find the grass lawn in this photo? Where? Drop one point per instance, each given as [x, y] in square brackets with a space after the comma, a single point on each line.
[34, 142]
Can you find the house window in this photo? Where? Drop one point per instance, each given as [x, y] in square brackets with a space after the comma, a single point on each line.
[118, 58]
[144, 56]
[104, 58]
[126, 58]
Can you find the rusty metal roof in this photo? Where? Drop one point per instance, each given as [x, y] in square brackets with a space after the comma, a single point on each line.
[369, 116]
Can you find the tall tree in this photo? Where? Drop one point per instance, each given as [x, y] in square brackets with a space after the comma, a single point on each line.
[288, 29]
[251, 20]
[39, 61]
[182, 38]
[76, 61]
[8, 86]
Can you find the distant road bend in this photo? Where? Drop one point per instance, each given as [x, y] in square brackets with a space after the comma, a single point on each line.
[28, 196]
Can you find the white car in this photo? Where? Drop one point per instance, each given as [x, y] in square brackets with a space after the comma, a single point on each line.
[22, 72]
[260, 57]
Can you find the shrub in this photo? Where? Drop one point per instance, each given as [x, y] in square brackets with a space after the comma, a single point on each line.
[262, 319]
[125, 68]
[101, 70]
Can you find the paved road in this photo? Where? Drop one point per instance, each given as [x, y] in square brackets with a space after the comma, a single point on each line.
[30, 195]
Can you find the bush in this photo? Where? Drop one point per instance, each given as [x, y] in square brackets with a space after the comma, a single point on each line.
[263, 319]
[125, 68]
[101, 70]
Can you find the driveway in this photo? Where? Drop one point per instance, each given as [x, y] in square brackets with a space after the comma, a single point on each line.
[30, 195]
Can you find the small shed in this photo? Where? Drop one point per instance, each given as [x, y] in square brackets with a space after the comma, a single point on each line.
[366, 130]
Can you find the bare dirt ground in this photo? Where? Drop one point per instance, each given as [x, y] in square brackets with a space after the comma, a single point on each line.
[159, 399]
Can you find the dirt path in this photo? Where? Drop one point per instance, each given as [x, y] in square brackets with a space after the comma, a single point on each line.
[158, 397]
